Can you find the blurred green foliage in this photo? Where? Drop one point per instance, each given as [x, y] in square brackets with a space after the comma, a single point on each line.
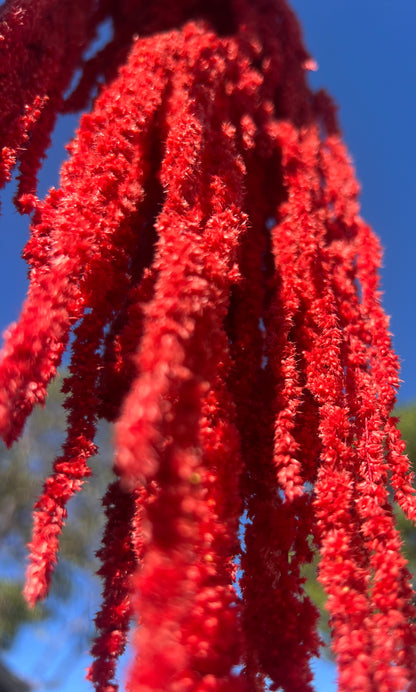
[23, 470]
[407, 425]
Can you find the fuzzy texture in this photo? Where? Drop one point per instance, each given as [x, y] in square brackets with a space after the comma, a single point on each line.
[205, 247]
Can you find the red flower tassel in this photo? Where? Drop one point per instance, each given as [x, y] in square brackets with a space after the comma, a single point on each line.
[205, 247]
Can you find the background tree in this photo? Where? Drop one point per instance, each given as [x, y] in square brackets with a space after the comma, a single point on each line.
[23, 469]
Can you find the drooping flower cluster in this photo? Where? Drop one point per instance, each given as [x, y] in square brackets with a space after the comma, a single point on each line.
[206, 251]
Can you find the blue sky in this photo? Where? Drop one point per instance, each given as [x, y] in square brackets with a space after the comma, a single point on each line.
[366, 57]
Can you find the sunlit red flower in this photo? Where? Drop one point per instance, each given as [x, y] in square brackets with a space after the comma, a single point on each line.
[205, 250]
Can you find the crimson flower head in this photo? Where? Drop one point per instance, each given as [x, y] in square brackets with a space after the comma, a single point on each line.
[206, 257]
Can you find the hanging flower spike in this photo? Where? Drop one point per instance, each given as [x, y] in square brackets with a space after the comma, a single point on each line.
[387, 576]
[344, 566]
[391, 591]
[112, 268]
[123, 541]
[70, 469]
[78, 239]
[119, 557]
[181, 563]
[275, 538]
[40, 47]
[206, 247]
[385, 369]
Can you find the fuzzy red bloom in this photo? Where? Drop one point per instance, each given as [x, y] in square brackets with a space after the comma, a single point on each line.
[205, 247]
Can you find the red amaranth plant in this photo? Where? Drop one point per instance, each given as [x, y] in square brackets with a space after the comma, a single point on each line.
[205, 247]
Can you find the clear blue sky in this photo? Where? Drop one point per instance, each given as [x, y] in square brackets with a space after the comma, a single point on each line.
[366, 56]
